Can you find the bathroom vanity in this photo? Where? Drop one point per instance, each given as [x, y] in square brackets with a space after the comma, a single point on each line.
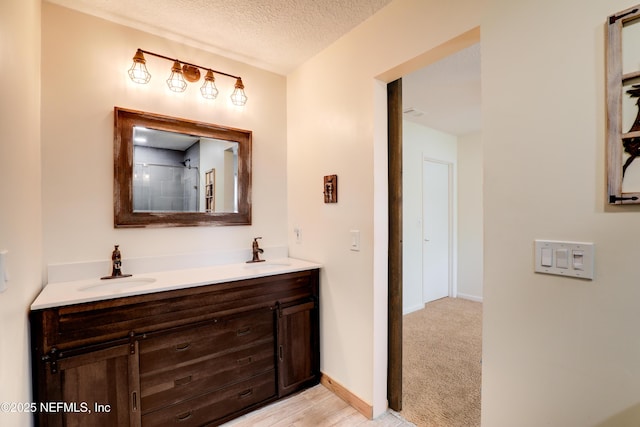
[165, 352]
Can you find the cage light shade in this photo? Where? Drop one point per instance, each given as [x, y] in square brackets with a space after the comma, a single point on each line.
[209, 89]
[176, 81]
[138, 71]
[238, 97]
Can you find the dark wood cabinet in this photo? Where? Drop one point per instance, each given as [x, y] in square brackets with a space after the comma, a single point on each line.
[298, 352]
[93, 388]
[196, 356]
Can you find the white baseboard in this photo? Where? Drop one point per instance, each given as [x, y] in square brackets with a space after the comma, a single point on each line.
[469, 297]
[412, 309]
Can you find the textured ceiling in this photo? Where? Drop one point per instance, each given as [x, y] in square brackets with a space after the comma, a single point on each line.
[277, 35]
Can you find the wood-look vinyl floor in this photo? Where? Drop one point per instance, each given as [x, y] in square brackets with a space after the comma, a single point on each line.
[314, 407]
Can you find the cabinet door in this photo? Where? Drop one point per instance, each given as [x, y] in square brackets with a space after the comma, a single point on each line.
[95, 389]
[298, 346]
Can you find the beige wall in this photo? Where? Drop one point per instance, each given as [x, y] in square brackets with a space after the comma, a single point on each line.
[335, 125]
[470, 185]
[56, 161]
[557, 351]
[84, 75]
[20, 205]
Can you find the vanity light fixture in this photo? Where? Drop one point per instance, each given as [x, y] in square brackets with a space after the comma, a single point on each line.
[209, 89]
[238, 97]
[176, 81]
[138, 71]
[181, 70]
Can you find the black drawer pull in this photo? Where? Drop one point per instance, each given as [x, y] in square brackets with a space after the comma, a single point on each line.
[244, 331]
[183, 417]
[244, 361]
[183, 346]
[245, 393]
[182, 381]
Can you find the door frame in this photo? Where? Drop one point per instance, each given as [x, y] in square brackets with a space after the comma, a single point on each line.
[394, 148]
[394, 316]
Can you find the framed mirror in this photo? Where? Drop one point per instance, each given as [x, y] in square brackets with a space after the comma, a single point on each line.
[171, 172]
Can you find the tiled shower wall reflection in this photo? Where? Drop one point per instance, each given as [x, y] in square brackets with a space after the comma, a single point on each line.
[164, 181]
[165, 188]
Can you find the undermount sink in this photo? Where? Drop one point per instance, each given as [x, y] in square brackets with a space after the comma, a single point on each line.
[117, 285]
[266, 264]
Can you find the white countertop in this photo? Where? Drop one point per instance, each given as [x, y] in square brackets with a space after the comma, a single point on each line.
[67, 293]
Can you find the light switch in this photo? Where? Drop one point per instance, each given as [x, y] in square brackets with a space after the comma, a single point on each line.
[355, 240]
[547, 257]
[578, 259]
[562, 258]
[573, 259]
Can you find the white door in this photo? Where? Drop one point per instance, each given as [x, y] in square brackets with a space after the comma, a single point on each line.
[436, 263]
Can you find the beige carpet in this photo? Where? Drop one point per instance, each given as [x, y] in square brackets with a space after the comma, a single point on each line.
[442, 351]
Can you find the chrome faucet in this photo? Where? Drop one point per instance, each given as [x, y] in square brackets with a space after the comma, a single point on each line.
[256, 251]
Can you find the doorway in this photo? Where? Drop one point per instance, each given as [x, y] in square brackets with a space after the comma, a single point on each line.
[395, 279]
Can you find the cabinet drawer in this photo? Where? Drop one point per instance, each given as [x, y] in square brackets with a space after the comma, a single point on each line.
[184, 346]
[213, 406]
[163, 388]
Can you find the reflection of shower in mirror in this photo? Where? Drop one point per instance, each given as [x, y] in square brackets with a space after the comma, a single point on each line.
[178, 163]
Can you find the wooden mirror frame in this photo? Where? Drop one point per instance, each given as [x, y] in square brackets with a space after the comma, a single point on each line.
[124, 215]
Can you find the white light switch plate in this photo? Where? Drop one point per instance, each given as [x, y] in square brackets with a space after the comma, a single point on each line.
[573, 259]
[355, 240]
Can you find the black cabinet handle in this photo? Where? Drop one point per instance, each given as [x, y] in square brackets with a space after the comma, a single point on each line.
[182, 381]
[134, 401]
[183, 417]
[245, 361]
[183, 346]
[244, 331]
[245, 393]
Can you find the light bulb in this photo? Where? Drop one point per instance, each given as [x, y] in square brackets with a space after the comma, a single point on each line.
[238, 97]
[138, 71]
[176, 81]
[209, 89]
